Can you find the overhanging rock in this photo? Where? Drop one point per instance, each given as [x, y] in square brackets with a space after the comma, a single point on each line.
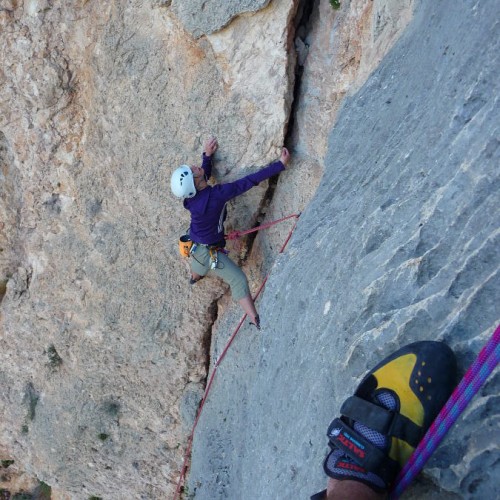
[202, 17]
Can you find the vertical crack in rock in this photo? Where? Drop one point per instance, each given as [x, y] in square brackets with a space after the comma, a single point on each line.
[207, 337]
[299, 33]
[10, 250]
[302, 28]
[299, 30]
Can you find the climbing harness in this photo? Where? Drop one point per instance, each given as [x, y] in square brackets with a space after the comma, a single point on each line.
[213, 251]
[217, 363]
[476, 375]
[187, 246]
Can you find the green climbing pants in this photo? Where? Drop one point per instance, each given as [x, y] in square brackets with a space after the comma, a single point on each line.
[226, 269]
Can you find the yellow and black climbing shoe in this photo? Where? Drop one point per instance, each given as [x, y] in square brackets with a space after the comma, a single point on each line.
[391, 410]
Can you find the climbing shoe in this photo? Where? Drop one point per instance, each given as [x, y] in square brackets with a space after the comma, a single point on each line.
[256, 323]
[390, 412]
[192, 281]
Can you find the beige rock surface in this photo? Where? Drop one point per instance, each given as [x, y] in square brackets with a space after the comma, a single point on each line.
[103, 346]
[363, 35]
[336, 51]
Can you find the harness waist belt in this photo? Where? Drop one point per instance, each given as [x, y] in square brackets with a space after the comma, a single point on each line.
[219, 244]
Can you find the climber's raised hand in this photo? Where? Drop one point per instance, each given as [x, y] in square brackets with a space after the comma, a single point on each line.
[211, 146]
[285, 156]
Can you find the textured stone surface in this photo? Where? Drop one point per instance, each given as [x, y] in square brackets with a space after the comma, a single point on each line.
[400, 243]
[203, 17]
[336, 50]
[103, 345]
[362, 35]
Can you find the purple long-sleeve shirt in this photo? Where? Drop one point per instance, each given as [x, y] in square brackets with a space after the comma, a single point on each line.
[208, 206]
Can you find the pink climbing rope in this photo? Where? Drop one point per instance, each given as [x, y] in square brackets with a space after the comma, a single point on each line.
[472, 381]
[238, 234]
[217, 363]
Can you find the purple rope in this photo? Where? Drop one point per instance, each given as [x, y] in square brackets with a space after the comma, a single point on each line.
[472, 381]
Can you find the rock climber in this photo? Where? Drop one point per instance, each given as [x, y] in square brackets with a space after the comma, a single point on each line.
[207, 205]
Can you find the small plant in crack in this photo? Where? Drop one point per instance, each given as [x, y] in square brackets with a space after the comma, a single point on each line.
[3, 287]
[335, 4]
[55, 361]
[187, 493]
[42, 492]
[103, 436]
[31, 398]
[22, 496]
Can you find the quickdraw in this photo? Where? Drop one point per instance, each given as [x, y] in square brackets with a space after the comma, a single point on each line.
[213, 257]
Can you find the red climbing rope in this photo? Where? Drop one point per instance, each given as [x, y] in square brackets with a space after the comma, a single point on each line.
[217, 363]
[233, 235]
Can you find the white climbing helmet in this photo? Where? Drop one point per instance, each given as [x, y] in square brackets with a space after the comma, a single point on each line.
[182, 182]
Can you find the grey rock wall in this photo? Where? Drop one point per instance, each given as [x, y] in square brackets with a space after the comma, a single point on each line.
[399, 244]
[202, 17]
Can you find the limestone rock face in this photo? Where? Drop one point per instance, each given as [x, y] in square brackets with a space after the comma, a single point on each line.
[202, 17]
[103, 344]
[104, 347]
